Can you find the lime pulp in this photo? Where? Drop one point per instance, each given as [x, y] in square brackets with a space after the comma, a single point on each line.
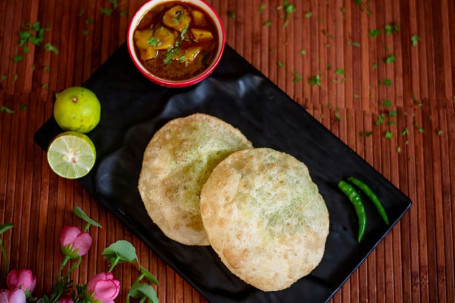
[71, 155]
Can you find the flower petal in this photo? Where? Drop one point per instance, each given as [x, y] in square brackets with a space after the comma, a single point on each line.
[26, 280]
[17, 296]
[69, 234]
[106, 290]
[11, 279]
[83, 242]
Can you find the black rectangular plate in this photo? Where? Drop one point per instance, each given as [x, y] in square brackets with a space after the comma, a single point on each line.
[133, 109]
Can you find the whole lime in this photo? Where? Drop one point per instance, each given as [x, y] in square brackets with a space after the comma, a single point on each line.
[77, 109]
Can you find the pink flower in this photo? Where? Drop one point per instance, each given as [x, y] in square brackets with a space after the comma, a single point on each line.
[12, 296]
[22, 279]
[74, 242]
[65, 299]
[103, 287]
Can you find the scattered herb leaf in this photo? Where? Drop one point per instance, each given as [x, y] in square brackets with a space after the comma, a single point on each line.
[308, 14]
[381, 119]
[303, 52]
[375, 66]
[316, 80]
[45, 86]
[392, 114]
[388, 135]
[339, 71]
[4, 78]
[261, 8]
[123, 13]
[439, 132]
[49, 47]
[89, 21]
[6, 110]
[288, 9]
[18, 58]
[170, 54]
[114, 3]
[399, 149]
[389, 59]
[297, 77]
[356, 44]
[405, 131]
[231, 14]
[415, 39]
[366, 134]
[106, 11]
[374, 32]
[387, 82]
[387, 103]
[280, 64]
[86, 32]
[337, 115]
[267, 23]
[391, 28]
[23, 107]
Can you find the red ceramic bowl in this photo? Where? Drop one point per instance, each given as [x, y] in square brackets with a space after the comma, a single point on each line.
[176, 83]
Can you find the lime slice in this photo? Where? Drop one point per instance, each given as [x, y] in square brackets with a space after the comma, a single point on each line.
[71, 155]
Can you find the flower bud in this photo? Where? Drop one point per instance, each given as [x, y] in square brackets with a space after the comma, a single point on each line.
[103, 287]
[12, 296]
[74, 242]
[22, 279]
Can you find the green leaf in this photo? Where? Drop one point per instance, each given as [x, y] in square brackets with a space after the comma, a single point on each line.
[374, 32]
[122, 250]
[280, 64]
[381, 119]
[261, 8]
[148, 275]
[388, 135]
[81, 214]
[387, 82]
[267, 23]
[231, 14]
[439, 132]
[366, 134]
[375, 66]
[405, 131]
[339, 71]
[170, 54]
[153, 41]
[45, 86]
[23, 107]
[114, 3]
[4, 78]
[5, 227]
[18, 58]
[303, 52]
[297, 77]
[356, 44]
[337, 115]
[316, 80]
[85, 32]
[391, 28]
[387, 103]
[392, 114]
[106, 11]
[308, 14]
[50, 48]
[390, 59]
[123, 13]
[6, 110]
[141, 290]
[89, 21]
[415, 39]
[399, 149]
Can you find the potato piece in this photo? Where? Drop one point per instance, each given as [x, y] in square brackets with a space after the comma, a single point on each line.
[141, 38]
[149, 53]
[165, 38]
[177, 18]
[190, 54]
[199, 19]
[201, 35]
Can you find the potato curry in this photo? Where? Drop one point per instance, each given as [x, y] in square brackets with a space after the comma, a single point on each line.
[176, 41]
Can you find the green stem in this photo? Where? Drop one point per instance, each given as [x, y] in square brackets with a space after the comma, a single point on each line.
[128, 298]
[5, 260]
[63, 265]
[114, 264]
[143, 299]
[139, 278]
[87, 227]
[75, 265]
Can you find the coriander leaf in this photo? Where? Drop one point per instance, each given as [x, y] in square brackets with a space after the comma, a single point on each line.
[45, 86]
[81, 214]
[106, 11]
[439, 132]
[89, 21]
[388, 135]
[337, 115]
[390, 59]
[288, 9]
[280, 64]
[231, 14]
[15, 77]
[308, 14]
[4, 78]
[356, 44]
[392, 114]
[153, 41]
[142, 290]
[297, 77]
[405, 131]
[6, 110]
[267, 23]
[339, 71]
[49, 47]
[261, 8]
[387, 103]
[18, 58]
[366, 134]
[316, 80]
[356, 96]
[123, 13]
[391, 28]
[86, 32]
[329, 66]
[47, 68]
[114, 3]
[381, 119]
[415, 39]
[374, 32]
[23, 107]
[170, 54]
[399, 149]
[387, 82]
[375, 66]
[303, 52]
[122, 250]
[182, 34]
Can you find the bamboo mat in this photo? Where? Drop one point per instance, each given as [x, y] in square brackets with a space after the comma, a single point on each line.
[413, 147]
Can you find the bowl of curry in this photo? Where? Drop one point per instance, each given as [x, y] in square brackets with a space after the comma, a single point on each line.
[176, 43]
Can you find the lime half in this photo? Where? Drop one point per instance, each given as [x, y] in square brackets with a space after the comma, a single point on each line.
[71, 155]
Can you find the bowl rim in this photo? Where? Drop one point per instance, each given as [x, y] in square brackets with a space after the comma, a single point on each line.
[174, 83]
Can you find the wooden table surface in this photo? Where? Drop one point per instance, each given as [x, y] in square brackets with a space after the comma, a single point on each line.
[413, 147]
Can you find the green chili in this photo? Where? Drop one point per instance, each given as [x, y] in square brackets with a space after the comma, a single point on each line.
[355, 199]
[372, 196]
